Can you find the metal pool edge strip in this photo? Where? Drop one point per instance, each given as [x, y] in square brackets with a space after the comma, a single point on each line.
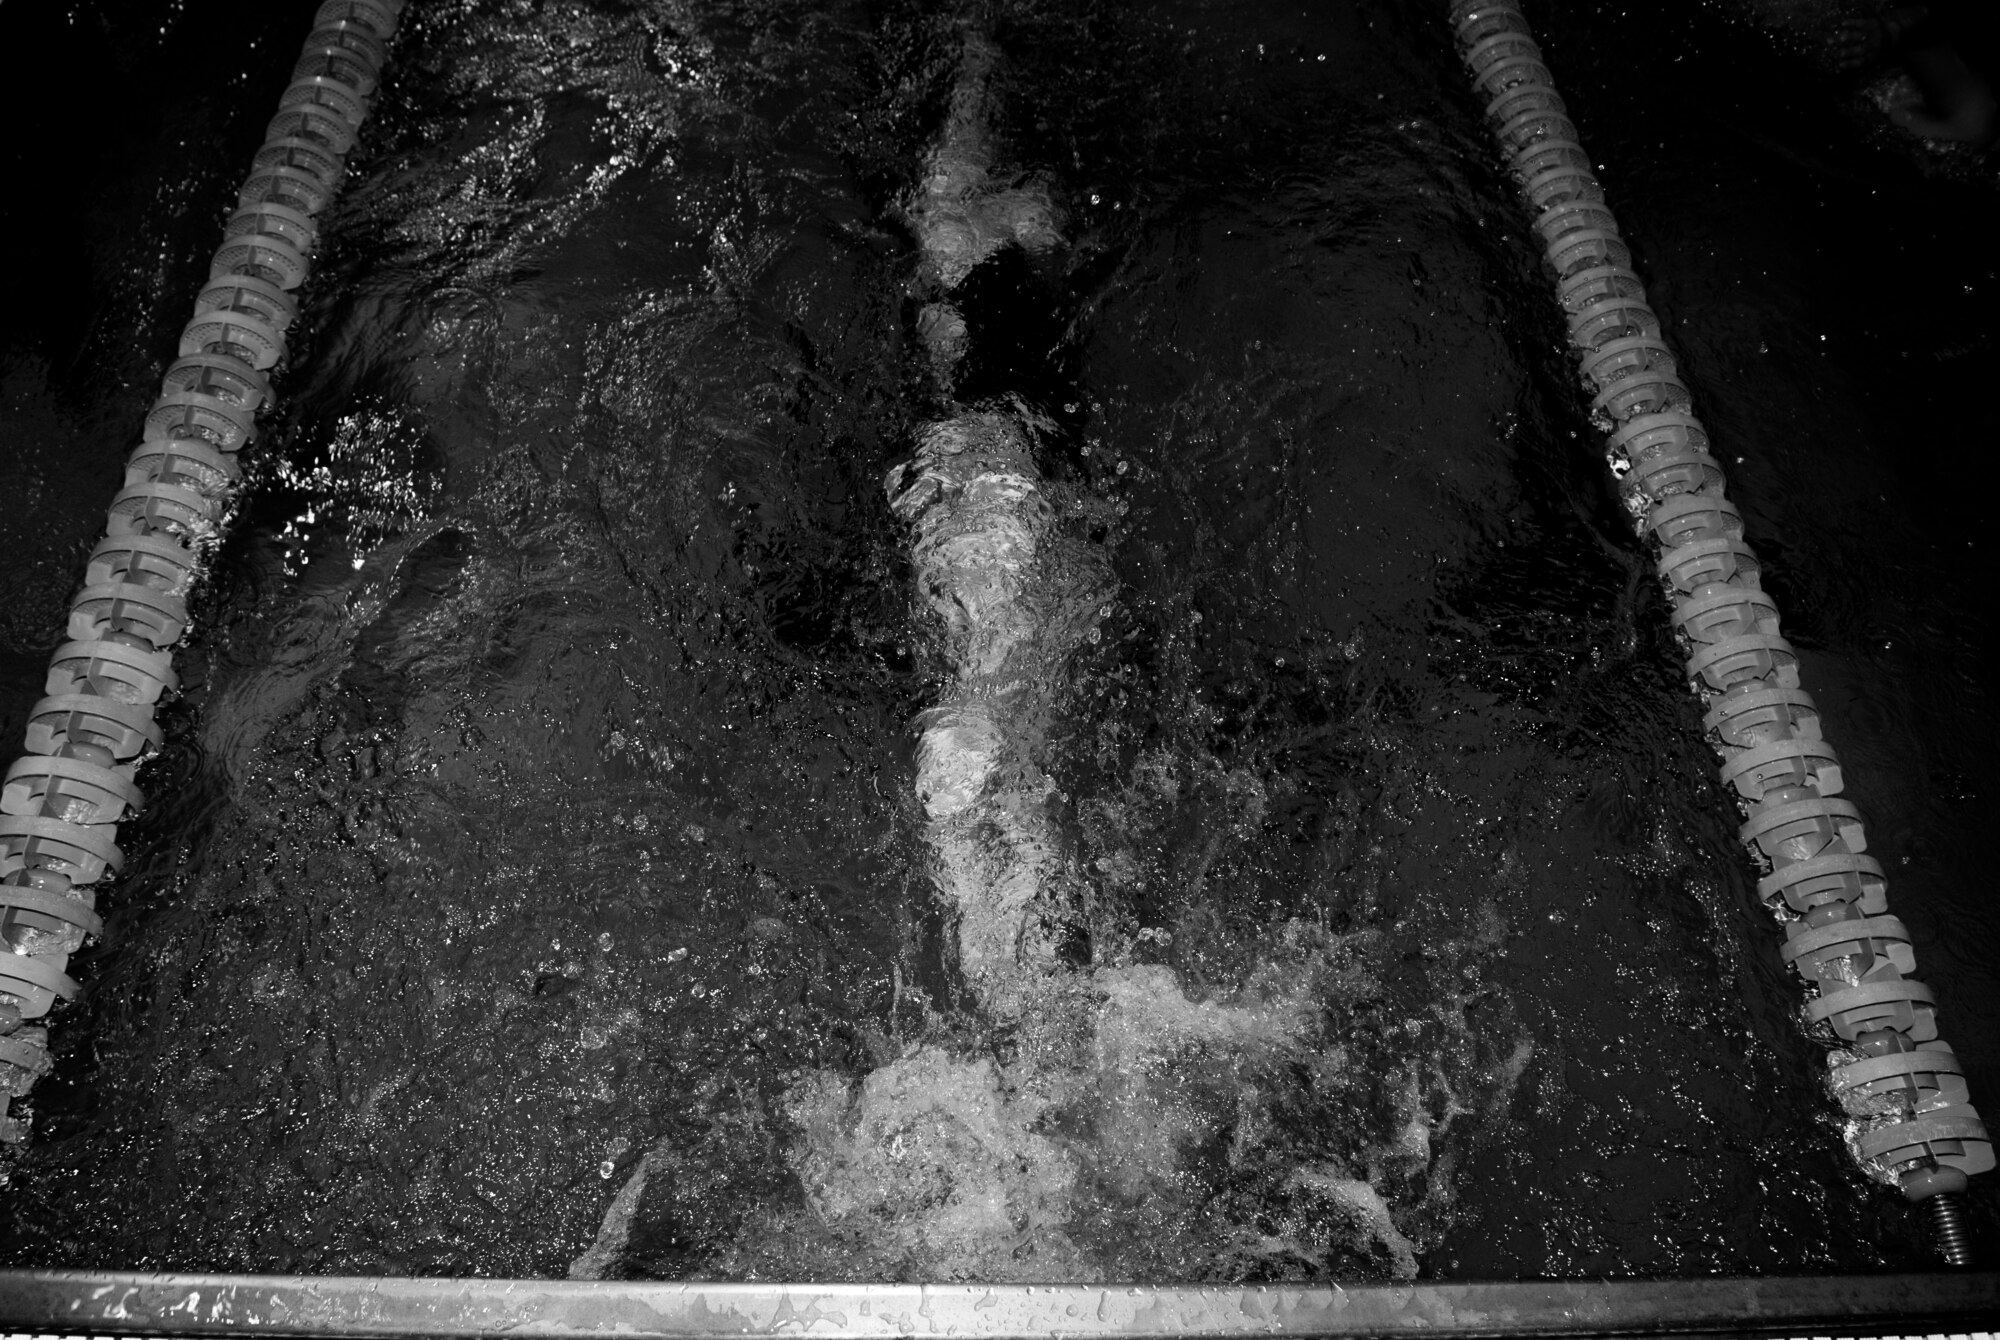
[128, 1303]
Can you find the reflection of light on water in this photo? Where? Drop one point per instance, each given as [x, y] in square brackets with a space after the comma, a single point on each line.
[369, 481]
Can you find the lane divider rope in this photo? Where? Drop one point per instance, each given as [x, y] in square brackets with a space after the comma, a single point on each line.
[62, 802]
[1902, 1089]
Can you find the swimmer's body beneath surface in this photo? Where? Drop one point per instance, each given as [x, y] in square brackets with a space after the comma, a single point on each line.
[1950, 50]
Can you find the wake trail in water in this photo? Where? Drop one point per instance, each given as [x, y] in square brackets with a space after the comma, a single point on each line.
[992, 1155]
[1014, 594]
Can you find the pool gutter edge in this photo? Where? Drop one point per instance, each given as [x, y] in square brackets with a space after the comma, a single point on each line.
[58, 1302]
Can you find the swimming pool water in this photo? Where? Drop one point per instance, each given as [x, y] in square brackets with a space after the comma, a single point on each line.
[539, 808]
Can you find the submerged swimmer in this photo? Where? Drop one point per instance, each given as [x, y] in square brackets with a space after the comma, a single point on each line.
[1951, 50]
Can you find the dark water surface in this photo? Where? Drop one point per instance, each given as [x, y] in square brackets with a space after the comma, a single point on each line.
[539, 807]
